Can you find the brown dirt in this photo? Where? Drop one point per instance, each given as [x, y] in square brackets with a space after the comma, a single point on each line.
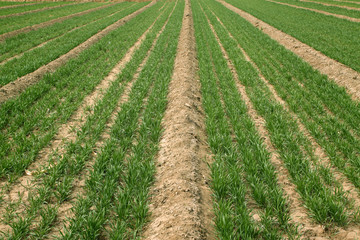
[309, 229]
[18, 5]
[48, 23]
[36, 10]
[52, 39]
[14, 88]
[318, 11]
[332, 5]
[181, 199]
[338, 72]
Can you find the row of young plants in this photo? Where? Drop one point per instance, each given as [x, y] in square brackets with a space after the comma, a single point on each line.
[56, 183]
[16, 22]
[29, 121]
[117, 190]
[241, 162]
[325, 109]
[322, 195]
[340, 43]
[25, 41]
[21, 9]
[340, 3]
[32, 60]
[330, 9]
[5, 3]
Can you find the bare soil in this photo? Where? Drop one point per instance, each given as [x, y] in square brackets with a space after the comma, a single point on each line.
[341, 74]
[16, 87]
[181, 199]
[318, 11]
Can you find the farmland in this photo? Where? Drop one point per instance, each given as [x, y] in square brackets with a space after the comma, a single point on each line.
[180, 119]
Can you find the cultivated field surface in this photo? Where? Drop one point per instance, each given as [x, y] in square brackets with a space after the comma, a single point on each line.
[180, 119]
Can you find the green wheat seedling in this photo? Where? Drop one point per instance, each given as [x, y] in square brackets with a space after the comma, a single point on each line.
[13, 23]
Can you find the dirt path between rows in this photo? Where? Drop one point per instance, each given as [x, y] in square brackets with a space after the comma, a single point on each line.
[181, 198]
[331, 5]
[36, 10]
[338, 72]
[14, 88]
[19, 5]
[48, 23]
[318, 11]
[298, 212]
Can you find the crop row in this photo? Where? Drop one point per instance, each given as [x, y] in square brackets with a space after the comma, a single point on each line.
[25, 41]
[340, 3]
[330, 9]
[324, 108]
[241, 160]
[339, 45]
[32, 60]
[21, 9]
[321, 193]
[119, 183]
[17, 22]
[59, 180]
[28, 124]
[5, 4]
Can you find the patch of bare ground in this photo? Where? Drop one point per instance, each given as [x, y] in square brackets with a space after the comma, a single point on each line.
[19, 5]
[332, 5]
[27, 183]
[16, 87]
[180, 198]
[309, 229]
[36, 10]
[52, 39]
[338, 72]
[318, 11]
[48, 23]
[298, 212]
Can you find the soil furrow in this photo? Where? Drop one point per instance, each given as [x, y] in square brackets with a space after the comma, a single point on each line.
[332, 5]
[181, 200]
[48, 23]
[37, 10]
[318, 150]
[299, 214]
[318, 11]
[19, 5]
[16, 87]
[338, 72]
[52, 39]
[68, 132]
